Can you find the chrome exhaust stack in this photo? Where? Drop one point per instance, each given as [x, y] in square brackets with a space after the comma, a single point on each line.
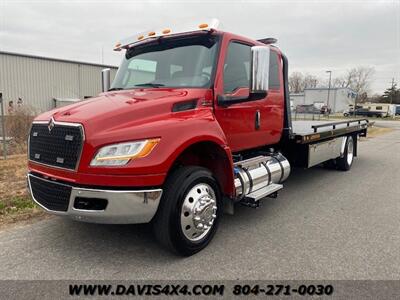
[260, 176]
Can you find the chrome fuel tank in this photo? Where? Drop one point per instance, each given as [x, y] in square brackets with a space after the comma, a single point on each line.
[260, 171]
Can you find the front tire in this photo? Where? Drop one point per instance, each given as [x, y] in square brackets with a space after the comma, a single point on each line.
[189, 211]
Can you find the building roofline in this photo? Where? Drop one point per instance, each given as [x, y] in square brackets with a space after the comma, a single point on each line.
[57, 59]
[332, 89]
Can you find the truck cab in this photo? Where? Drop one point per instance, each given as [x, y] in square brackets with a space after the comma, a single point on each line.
[194, 122]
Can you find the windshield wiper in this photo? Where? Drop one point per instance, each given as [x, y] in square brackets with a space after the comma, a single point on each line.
[151, 84]
[115, 89]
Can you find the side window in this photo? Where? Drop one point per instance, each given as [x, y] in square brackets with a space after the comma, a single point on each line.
[274, 82]
[236, 68]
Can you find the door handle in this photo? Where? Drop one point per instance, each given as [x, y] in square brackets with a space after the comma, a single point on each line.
[258, 120]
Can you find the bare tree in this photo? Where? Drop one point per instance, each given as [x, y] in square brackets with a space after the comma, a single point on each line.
[358, 79]
[310, 81]
[298, 82]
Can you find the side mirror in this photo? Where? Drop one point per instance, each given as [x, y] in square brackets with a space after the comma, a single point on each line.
[105, 80]
[259, 78]
[259, 74]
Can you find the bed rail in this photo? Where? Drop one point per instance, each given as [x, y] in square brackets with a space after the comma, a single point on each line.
[334, 124]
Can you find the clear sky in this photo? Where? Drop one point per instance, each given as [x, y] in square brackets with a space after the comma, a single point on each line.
[316, 35]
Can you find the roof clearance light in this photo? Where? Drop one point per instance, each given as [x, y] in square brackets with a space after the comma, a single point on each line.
[140, 37]
[151, 33]
[117, 47]
[203, 25]
[166, 31]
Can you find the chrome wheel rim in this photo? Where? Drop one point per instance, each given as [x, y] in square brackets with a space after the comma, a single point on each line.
[350, 154]
[199, 211]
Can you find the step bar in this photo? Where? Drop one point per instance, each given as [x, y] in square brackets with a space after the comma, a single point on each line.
[253, 199]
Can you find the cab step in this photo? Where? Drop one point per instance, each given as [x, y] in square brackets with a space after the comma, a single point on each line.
[253, 199]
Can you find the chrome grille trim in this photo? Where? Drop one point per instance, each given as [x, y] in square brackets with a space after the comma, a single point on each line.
[60, 123]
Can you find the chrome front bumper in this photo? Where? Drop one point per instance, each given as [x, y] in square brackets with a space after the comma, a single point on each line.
[123, 206]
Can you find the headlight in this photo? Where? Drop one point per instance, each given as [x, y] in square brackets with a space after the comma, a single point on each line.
[121, 154]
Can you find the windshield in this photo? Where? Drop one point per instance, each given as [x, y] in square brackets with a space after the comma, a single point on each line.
[169, 62]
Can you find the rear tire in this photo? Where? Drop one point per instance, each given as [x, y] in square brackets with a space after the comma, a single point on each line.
[344, 163]
[189, 211]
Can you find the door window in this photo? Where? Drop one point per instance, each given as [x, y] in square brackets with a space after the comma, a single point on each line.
[237, 67]
[274, 82]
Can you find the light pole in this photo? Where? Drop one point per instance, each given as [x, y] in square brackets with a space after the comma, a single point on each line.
[3, 129]
[329, 91]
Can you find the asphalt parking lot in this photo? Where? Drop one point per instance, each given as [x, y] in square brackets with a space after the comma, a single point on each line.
[325, 224]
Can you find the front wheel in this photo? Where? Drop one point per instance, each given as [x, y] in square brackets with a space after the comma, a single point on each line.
[344, 163]
[189, 212]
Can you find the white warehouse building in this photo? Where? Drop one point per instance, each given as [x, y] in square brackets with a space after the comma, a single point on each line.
[339, 98]
[42, 83]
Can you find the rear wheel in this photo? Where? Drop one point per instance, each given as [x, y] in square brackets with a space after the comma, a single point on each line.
[344, 163]
[189, 212]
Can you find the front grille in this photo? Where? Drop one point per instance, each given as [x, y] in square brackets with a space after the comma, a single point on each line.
[51, 195]
[61, 146]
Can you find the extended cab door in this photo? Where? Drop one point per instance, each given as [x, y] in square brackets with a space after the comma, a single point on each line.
[248, 124]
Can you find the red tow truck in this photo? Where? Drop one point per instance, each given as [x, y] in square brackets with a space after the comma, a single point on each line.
[195, 121]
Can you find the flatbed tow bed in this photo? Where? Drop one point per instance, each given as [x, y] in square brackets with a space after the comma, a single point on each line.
[304, 132]
[313, 142]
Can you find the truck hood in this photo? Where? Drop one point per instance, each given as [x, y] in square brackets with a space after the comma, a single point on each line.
[112, 110]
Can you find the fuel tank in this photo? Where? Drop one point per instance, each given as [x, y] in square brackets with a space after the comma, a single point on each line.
[258, 172]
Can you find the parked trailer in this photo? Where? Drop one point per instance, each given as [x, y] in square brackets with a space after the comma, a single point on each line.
[194, 122]
[381, 110]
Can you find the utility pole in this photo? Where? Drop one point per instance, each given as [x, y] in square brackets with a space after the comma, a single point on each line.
[355, 105]
[329, 91]
[3, 129]
[391, 95]
[391, 98]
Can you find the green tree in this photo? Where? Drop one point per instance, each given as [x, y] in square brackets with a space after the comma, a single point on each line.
[391, 95]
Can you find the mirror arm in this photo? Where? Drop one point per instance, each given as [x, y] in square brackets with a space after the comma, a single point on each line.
[226, 101]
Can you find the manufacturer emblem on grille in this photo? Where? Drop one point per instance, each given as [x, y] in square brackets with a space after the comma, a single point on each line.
[50, 125]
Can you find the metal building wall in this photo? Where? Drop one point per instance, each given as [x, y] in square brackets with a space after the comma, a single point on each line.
[339, 98]
[38, 80]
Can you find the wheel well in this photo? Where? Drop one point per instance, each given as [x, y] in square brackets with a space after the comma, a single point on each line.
[211, 156]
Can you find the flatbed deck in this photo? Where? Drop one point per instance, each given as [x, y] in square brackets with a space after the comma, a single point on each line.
[305, 132]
